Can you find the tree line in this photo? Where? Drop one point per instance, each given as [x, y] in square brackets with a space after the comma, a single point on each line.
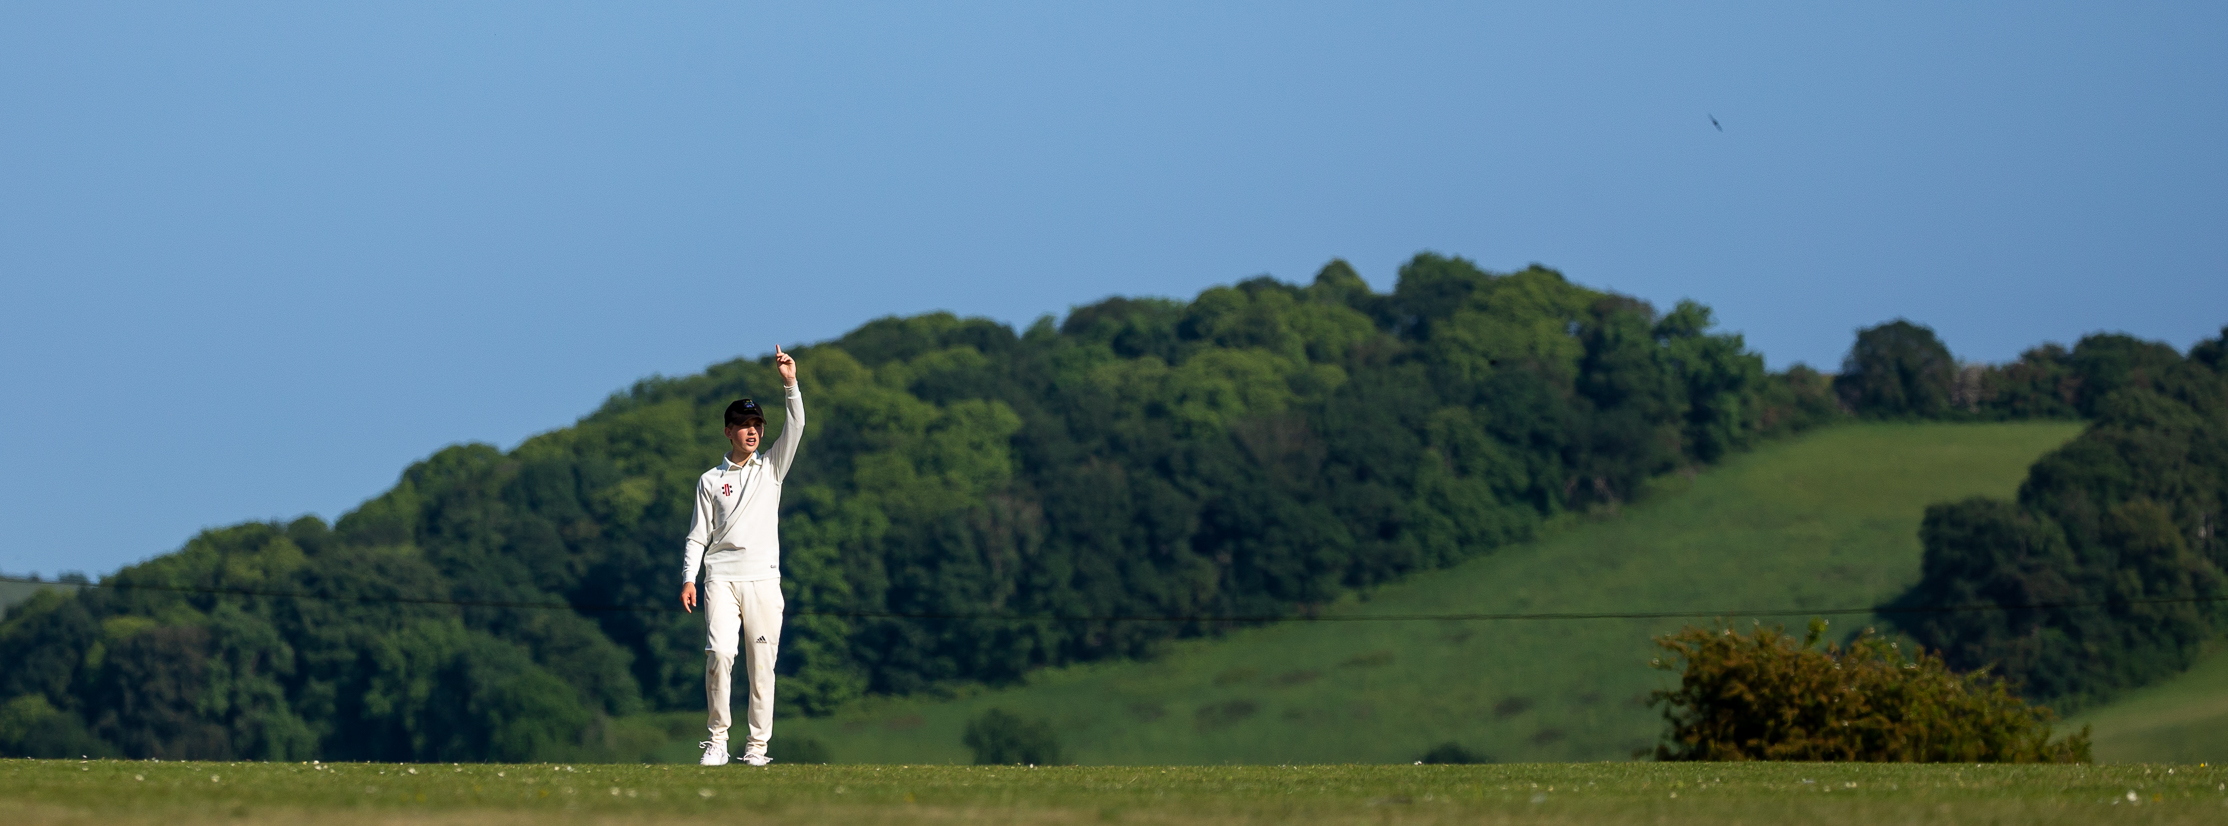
[2107, 569]
[1256, 451]
[2115, 537]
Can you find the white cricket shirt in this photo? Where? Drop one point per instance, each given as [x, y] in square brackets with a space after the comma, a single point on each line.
[735, 534]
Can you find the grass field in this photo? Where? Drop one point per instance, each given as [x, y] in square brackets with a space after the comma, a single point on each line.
[54, 793]
[2182, 719]
[1828, 520]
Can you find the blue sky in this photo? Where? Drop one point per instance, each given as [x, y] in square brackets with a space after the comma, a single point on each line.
[256, 258]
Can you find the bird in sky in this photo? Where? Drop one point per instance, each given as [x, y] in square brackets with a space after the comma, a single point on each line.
[1713, 122]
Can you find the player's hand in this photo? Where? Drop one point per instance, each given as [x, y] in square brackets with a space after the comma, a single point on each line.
[787, 364]
[688, 597]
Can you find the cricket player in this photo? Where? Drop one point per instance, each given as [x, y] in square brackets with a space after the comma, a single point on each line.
[735, 538]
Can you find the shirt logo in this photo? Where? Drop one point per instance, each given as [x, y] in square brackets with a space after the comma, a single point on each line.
[761, 639]
[727, 490]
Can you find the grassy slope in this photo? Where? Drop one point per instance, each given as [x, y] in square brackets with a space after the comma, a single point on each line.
[129, 793]
[1829, 520]
[2184, 719]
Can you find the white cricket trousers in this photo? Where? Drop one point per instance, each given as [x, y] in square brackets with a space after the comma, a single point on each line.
[746, 614]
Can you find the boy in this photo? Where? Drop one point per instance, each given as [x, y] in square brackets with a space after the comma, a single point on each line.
[735, 537]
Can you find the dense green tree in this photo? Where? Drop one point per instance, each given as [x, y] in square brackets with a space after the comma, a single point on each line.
[32, 727]
[441, 692]
[2041, 384]
[2117, 532]
[1897, 370]
[2053, 382]
[149, 693]
[44, 642]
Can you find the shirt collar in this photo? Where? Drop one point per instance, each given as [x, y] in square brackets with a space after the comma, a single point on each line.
[731, 464]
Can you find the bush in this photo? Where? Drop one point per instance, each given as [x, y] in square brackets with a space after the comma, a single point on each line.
[1452, 753]
[1001, 738]
[1762, 696]
[801, 750]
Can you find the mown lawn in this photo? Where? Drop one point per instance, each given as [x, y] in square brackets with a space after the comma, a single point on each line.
[37, 793]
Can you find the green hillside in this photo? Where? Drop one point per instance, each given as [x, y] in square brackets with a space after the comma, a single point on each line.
[1827, 520]
[2181, 720]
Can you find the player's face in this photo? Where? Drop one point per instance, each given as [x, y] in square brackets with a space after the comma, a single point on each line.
[745, 439]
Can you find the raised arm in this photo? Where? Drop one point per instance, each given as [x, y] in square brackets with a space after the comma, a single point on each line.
[793, 420]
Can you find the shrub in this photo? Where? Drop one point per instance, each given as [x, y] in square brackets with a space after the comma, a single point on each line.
[1762, 696]
[799, 750]
[1452, 753]
[1001, 738]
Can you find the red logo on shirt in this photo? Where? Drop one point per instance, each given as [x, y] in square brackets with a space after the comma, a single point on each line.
[727, 490]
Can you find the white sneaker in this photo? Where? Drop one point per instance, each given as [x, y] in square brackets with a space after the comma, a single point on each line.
[715, 753]
[756, 759]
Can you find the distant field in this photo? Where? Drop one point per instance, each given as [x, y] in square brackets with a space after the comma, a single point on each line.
[1828, 520]
[2182, 719]
[130, 793]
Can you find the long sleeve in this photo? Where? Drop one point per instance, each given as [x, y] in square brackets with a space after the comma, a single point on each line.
[700, 534]
[792, 432]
